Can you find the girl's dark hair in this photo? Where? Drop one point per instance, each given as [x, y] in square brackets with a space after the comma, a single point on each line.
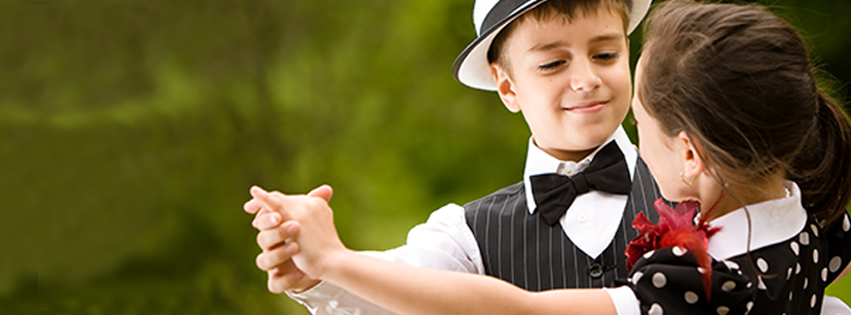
[739, 81]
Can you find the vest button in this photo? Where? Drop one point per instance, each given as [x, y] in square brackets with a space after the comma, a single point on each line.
[596, 270]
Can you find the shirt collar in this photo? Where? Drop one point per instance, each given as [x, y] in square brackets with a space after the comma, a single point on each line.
[771, 222]
[539, 162]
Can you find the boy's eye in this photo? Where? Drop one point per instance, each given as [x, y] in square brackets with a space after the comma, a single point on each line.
[606, 56]
[551, 65]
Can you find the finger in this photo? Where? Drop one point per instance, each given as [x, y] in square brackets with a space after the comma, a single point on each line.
[272, 238]
[287, 277]
[280, 282]
[277, 194]
[285, 268]
[269, 200]
[266, 219]
[324, 191]
[269, 259]
[262, 212]
[252, 206]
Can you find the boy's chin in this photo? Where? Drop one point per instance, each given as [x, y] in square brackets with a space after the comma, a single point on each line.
[589, 140]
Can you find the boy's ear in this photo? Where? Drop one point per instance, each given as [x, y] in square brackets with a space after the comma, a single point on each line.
[505, 87]
[693, 165]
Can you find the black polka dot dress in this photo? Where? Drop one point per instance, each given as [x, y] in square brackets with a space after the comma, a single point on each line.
[787, 276]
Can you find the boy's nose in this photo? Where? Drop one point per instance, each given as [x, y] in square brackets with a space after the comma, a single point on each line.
[583, 77]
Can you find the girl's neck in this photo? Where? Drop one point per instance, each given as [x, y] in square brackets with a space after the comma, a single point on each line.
[737, 196]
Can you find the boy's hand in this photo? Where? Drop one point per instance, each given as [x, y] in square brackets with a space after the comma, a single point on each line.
[272, 239]
[254, 206]
[316, 239]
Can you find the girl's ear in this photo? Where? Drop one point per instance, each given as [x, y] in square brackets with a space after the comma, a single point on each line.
[505, 87]
[693, 165]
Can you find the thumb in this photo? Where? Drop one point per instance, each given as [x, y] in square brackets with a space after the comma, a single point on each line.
[325, 192]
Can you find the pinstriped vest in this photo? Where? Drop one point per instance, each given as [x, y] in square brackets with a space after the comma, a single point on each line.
[522, 249]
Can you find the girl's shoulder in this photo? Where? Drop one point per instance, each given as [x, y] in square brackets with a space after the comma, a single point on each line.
[789, 276]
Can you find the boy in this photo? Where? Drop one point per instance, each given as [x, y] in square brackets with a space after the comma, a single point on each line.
[564, 65]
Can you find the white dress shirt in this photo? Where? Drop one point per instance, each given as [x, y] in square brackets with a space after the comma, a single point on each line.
[446, 242]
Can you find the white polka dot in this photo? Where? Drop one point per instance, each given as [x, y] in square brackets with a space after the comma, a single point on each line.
[700, 270]
[659, 280]
[678, 251]
[789, 273]
[815, 229]
[749, 305]
[804, 238]
[762, 264]
[790, 295]
[728, 286]
[732, 265]
[815, 255]
[636, 276]
[797, 268]
[750, 284]
[655, 309]
[824, 275]
[813, 301]
[794, 247]
[691, 297]
[723, 310]
[834, 264]
[649, 254]
[806, 283]
[761, 285]
[846, 224]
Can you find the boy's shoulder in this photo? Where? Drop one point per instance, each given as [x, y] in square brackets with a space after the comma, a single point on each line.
[512, 191]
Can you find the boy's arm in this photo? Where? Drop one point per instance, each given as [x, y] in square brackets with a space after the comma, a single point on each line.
[409, 290]
[443, 242]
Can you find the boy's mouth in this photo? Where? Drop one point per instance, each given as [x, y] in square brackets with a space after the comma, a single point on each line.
[589, 107]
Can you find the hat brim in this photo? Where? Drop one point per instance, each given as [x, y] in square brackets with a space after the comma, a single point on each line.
[472, 67]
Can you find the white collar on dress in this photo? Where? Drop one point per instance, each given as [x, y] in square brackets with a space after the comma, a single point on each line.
[539, 162]
[772, 222]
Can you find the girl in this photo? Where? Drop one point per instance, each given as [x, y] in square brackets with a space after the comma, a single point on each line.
[729, 115]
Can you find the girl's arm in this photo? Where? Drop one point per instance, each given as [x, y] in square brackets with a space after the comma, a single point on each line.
[409, 290]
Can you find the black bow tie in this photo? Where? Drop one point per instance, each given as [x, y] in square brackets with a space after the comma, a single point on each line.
[555, 193]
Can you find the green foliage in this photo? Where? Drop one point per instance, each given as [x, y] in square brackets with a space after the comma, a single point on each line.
[131, 130]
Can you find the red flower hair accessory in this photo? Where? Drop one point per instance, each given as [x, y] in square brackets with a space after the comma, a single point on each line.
[675, 228]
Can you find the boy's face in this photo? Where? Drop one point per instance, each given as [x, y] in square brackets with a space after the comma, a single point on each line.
[570, 80]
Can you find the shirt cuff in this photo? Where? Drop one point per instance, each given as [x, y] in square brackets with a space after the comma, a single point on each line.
[320, 294]
[624, 300]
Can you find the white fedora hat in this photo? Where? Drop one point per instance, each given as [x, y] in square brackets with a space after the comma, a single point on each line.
[490, 17]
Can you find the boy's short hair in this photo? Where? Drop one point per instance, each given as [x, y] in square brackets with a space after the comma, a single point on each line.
[492, 17]
[568, 10]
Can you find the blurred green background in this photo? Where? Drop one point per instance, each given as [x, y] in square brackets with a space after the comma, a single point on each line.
[130, 132]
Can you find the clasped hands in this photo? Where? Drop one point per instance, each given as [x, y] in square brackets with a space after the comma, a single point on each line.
[297, 236]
